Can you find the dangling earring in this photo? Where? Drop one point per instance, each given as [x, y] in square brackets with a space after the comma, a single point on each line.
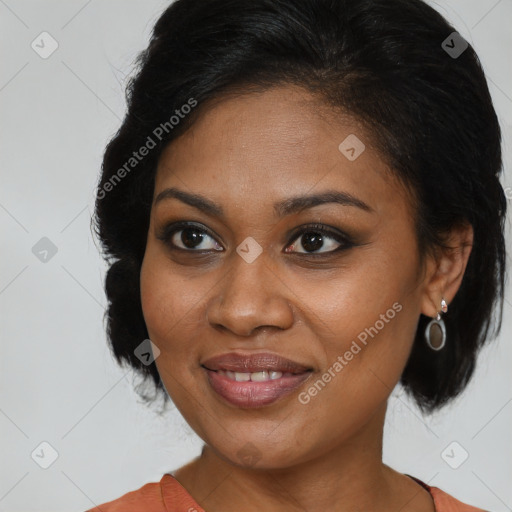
[435, 332]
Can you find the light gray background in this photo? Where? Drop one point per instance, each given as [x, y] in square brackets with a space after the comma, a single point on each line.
[58, 381]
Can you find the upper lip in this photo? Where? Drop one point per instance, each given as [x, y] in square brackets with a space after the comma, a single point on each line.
[249, 363]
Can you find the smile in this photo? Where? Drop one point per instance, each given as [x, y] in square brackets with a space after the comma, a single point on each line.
[256, 380]
[254, 376]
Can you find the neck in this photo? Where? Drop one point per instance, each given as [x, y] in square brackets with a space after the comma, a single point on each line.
[351, 476]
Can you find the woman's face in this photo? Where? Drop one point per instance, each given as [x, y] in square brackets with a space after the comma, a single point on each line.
[341, 300]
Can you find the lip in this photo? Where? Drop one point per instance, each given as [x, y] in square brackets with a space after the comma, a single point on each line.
[235, 362]
[253, 394]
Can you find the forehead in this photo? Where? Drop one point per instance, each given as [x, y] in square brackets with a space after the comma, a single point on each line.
[245, 150]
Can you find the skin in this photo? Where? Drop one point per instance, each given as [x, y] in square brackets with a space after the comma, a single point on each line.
[246, 153]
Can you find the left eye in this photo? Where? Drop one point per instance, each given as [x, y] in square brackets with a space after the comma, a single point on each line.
[312, 239]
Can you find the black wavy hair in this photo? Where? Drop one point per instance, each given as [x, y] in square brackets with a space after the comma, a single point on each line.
[383, 62]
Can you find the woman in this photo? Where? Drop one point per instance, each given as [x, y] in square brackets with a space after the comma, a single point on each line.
[301, 209]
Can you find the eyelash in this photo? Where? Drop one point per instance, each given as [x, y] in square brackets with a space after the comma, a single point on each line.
[346, 242]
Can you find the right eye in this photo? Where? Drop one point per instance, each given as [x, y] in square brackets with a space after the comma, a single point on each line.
[186, 236]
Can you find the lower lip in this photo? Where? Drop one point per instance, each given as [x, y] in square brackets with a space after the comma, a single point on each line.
[254, 394]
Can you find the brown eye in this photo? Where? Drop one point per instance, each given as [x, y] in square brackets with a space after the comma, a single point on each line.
[311, 239]
[189, 237]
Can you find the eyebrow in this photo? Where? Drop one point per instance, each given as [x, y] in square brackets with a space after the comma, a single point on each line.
[282, 208]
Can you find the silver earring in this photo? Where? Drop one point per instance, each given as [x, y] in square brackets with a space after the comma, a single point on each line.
[435, 332]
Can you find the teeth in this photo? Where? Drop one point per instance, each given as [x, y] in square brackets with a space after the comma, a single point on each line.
[260, 376]
[254, 376]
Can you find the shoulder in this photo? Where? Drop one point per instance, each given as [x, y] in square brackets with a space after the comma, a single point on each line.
[148, 498]
[168, 495]
[445, 502]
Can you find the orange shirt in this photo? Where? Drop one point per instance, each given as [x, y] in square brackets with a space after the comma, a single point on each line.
[169, 495]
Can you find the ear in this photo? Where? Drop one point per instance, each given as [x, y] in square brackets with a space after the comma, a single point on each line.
[446, 269]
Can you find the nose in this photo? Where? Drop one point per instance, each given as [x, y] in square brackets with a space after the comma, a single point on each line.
[251, 296]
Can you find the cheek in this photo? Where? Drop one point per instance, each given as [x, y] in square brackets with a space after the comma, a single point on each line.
[168, 317]
[369, 318]
[171, 305]
[167, 300]
[343, 307]
[152, 295]
[356, 381]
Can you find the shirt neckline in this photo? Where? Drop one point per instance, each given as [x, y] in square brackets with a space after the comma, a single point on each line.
[428, 488]
[170, 483]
